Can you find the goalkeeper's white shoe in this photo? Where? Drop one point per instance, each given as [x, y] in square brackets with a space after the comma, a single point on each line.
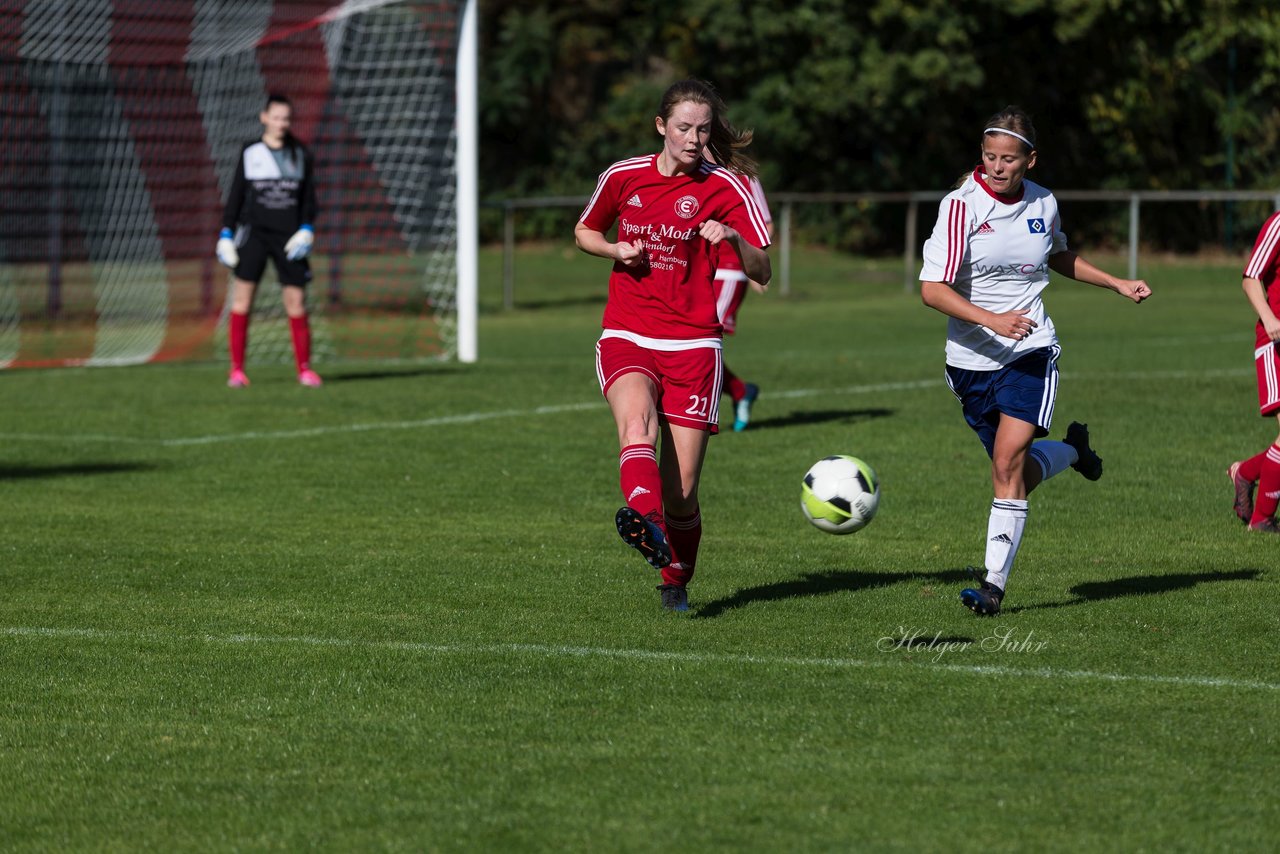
[310, 378]
[237, 379]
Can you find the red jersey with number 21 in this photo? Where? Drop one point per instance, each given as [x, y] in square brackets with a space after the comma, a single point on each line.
[669, 295]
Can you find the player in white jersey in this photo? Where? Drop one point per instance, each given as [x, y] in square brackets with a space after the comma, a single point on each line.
[985, 267]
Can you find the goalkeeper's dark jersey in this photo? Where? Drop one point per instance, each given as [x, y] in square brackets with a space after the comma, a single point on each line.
[273, 189]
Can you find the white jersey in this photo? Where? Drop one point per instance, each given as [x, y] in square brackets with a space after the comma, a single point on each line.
[995, 253]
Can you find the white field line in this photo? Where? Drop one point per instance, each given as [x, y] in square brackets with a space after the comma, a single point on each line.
[474, 417]
[502, 650]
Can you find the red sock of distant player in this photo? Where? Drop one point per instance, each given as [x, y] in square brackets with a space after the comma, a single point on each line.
[237, 337]
[734, 386]
[1264, 506]
[641, 482]
[684, 534]
[1251, 469]
[300, 330]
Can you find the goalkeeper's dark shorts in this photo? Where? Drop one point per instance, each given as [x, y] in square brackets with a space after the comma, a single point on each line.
[256, 245]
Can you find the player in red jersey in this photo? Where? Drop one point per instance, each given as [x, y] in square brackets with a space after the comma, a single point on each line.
[731, 285]
[658, 359]
[1261, 285]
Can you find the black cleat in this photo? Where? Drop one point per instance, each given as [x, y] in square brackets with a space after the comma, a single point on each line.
[1087, 463]
[674, 597]
[984, 600]
[644, 536]
[1266, 526]
[1244, 493]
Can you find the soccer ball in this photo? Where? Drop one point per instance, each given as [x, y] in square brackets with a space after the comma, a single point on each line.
[840, 494]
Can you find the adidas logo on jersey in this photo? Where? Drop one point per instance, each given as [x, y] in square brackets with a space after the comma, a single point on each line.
[639, 490]
[635, 202]
[986, 228]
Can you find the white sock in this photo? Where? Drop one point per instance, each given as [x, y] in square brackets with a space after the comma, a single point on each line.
[1004, 535]
[1053, 457]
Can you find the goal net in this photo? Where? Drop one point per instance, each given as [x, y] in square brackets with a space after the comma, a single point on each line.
[122, 121]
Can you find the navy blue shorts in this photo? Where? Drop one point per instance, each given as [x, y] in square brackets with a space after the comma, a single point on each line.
[1024, 389]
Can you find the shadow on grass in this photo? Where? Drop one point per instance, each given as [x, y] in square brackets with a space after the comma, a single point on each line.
[796, 419]
[820, 584]
[1140, 585]
[33, 472]
[565, 302]
[361, 376]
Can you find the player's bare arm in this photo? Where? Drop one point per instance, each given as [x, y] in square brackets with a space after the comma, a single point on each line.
[940, 296]
[757, 286]
[1072, 266]
[755, 261]
[595, 243]
[1257, 295]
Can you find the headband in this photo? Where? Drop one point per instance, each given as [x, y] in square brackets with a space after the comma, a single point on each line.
[1029, 143]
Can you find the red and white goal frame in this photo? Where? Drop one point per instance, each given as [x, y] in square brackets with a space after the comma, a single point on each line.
[120, 124]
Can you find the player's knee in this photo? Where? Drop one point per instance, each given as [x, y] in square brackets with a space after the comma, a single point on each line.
[639, 430]
[1006, 472]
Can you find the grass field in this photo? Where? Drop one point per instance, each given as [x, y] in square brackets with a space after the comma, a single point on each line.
[393, 614]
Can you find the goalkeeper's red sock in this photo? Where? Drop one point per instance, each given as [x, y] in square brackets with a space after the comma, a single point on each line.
[684, 533]
[1264, 506]
[237, 338]
[300, 330]
[733, 385]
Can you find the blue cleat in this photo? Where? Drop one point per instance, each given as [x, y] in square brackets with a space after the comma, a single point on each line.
[983, 600]
[644, 536]
[742, 409]
[674, 597]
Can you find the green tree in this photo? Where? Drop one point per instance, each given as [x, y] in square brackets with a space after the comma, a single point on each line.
[890, 94]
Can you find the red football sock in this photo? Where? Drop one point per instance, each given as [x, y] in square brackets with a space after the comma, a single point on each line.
[1264, 506]
[237, 338]
[733, 385]
[300, 330]
[684, 534]
[1251, 469]
[641, 482]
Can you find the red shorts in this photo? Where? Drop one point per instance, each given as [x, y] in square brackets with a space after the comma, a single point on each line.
[688, 380]
[730, 288]
[1267, 360]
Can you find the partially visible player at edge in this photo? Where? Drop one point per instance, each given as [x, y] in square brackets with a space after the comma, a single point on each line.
[985, 266]
[268, 214]
[659, 358]
[1261, 285]
[731, 288]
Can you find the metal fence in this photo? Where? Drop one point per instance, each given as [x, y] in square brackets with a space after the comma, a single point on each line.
[784, 204]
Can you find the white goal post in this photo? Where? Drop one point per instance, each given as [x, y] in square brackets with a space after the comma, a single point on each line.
[122, 122]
